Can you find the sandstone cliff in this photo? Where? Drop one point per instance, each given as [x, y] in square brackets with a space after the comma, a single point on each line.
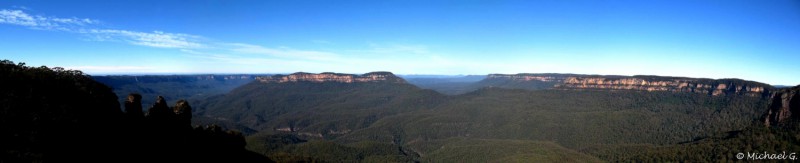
[644, 83]
[332, 77]
[784, 107]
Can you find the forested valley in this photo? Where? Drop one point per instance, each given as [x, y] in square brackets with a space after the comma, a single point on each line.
[347, 118]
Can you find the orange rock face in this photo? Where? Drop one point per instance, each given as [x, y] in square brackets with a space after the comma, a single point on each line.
[644, 83]
[784, 107]
[332, 77]
[676, 85]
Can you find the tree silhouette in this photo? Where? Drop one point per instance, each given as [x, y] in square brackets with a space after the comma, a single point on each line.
[58, 115]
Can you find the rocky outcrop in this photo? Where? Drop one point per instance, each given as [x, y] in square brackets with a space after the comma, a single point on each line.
[703, 86]
[784, 107]
[183, 113]
[133, 106]
[645, 83]
[332, 77]
[160, 111]
[57, 115]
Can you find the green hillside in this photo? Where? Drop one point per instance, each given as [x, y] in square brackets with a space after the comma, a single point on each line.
[577, 119]
[500, 150]
[404, 123]
[329, 109]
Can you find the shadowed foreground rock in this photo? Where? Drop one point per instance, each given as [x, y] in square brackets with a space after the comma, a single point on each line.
[57, 115]
[784, 108]
[133, 107]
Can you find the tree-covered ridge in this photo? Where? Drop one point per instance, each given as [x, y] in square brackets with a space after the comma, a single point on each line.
[540, 81]
[718, 148]
[775, 134]
[57, 115]
[325, 109]
[562, 76]
[46, 111]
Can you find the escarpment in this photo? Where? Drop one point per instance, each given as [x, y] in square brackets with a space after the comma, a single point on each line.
[644, 83]
[703, 86]
[784, 107]
[332, 77]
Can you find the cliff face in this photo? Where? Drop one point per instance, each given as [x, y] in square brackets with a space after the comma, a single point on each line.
[645, 83]
[784, 107]
[332, 77]
[712, 87]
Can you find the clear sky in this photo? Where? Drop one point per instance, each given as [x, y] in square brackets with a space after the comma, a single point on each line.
[752, 40]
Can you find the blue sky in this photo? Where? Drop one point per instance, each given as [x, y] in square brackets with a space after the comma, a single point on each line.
[752, 40]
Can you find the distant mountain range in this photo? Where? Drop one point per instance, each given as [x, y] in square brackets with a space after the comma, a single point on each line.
[192, 86]
[641, 83]
[174, 87]
[463, 84]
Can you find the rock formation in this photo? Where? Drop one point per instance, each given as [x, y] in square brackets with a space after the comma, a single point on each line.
[159, 113]
[183, 113]
[332, 77]
[133, 106]
[784, 107]
[645, 83]
[57, 115]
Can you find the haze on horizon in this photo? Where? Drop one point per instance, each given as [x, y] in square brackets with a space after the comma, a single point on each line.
[751, 40]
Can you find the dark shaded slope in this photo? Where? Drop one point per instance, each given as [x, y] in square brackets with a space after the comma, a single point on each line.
[784, 109]
[56, 115]
[48, 113]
